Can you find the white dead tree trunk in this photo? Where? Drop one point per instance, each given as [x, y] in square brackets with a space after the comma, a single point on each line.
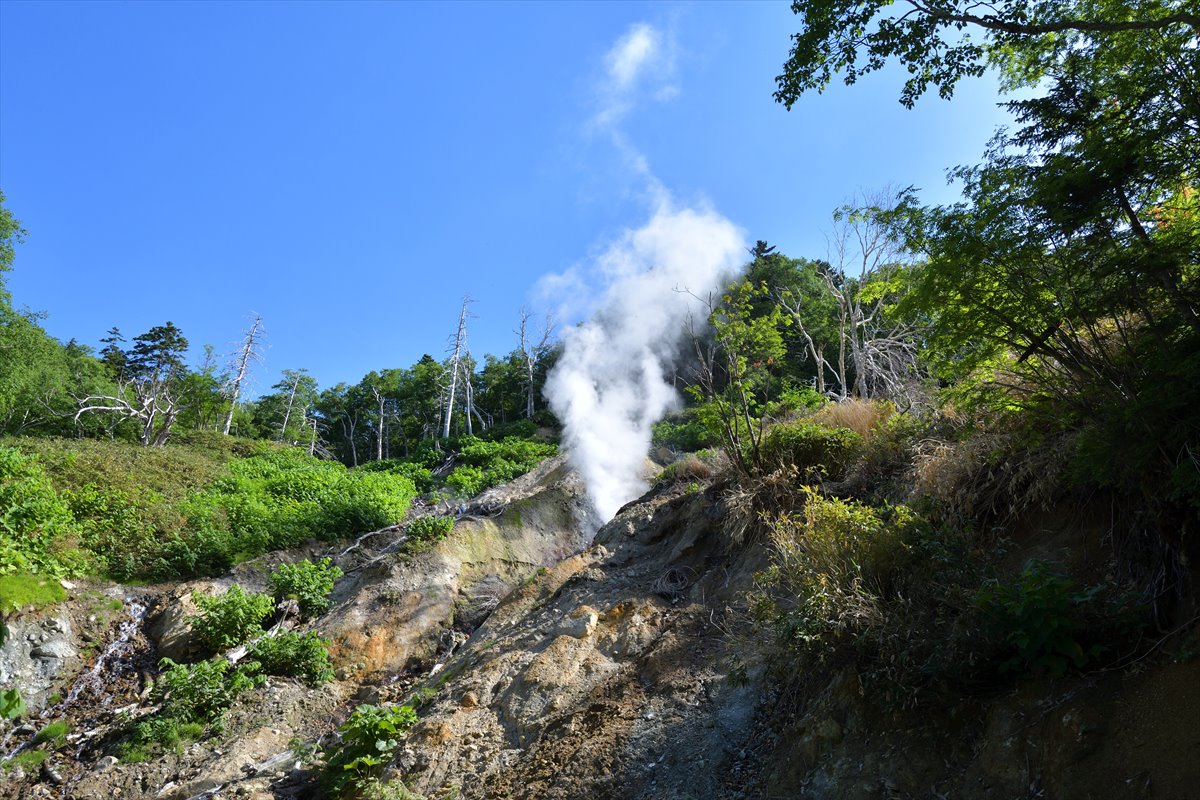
[249, 352]
[151, 404]
[532, 354]
[380, 402]
[287, 414]
[794, 307]
[865, 253]
[460, 362]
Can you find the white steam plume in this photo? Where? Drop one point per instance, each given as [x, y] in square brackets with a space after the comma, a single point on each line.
[609, 386]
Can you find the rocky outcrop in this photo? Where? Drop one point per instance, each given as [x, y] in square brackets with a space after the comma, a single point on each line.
[557, 667]
[40, 652]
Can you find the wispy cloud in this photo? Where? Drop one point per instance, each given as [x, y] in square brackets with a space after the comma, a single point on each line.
[642, 45]
[640, 64]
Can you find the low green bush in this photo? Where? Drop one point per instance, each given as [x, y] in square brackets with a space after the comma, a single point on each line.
[53, 734]
[178, 511]
[307, 583]
[685, 432]
[23, 590]
[36, 524]
[231, 618]
[466, 481]
[878, 589]
[194, 698]
[12, 705]
[368, 739]
[519, 429]
[1040, 619]
[489, 463]
[815, 450]
[429, 528]
[295, 655]
[419, 474]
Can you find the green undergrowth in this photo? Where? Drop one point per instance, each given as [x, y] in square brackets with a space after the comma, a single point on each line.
[194, 698]
[28, 760]
[917, 609]
[481, 463]
[23, 590]
[426, 531]
[369, 737]
[69, 507]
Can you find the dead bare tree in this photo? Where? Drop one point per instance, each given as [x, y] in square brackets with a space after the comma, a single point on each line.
[249, 351]
[532, 353]
[876, 356]
[149, 402]
[461, 364]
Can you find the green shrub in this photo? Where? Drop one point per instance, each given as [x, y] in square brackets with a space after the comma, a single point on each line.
[28, 760]
[20, 591]
[486, 464]
[519, 429]
[429, 528]
[1040, 620]
[304, 656]
[368, 739]
[307, 583]
[420, 475]
[466, 481]
[194, 697]
[686, 432]
[793, 399]
[163, 733]
[12, 705]
[229, 619]
[54, 734]
[203, 691]
[367, 501]
[815, 450]
[35, 522]
[878, 589]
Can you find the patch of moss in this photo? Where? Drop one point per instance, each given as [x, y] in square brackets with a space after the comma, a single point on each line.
[28, 760]
[54, 734]
[23, 590]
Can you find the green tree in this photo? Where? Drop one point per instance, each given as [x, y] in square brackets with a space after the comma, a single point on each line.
[1066, 283]
[735, 377]
[933, 40]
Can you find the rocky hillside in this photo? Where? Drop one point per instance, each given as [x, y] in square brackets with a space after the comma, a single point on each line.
[543, 665]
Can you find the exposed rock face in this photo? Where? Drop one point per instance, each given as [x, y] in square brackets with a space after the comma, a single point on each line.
[40, 651]
[563, 668]
[591, 682]
[169, 628]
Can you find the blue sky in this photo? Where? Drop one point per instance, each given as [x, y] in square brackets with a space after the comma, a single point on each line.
[350, 170]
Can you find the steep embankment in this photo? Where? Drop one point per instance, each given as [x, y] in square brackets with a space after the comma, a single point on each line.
[550, 671]
[395, 613]
[609, 678]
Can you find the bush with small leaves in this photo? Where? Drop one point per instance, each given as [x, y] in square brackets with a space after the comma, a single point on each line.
[229, 619]
[295, 655]
[369, 737]
[307, 583]
[430, 528]
[194, 697]
[815, 450]
[1040, 619]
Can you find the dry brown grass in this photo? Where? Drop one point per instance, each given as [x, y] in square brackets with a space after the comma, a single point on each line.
[692, 468]
[753, 505]
[991, 474]
[864, 417]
